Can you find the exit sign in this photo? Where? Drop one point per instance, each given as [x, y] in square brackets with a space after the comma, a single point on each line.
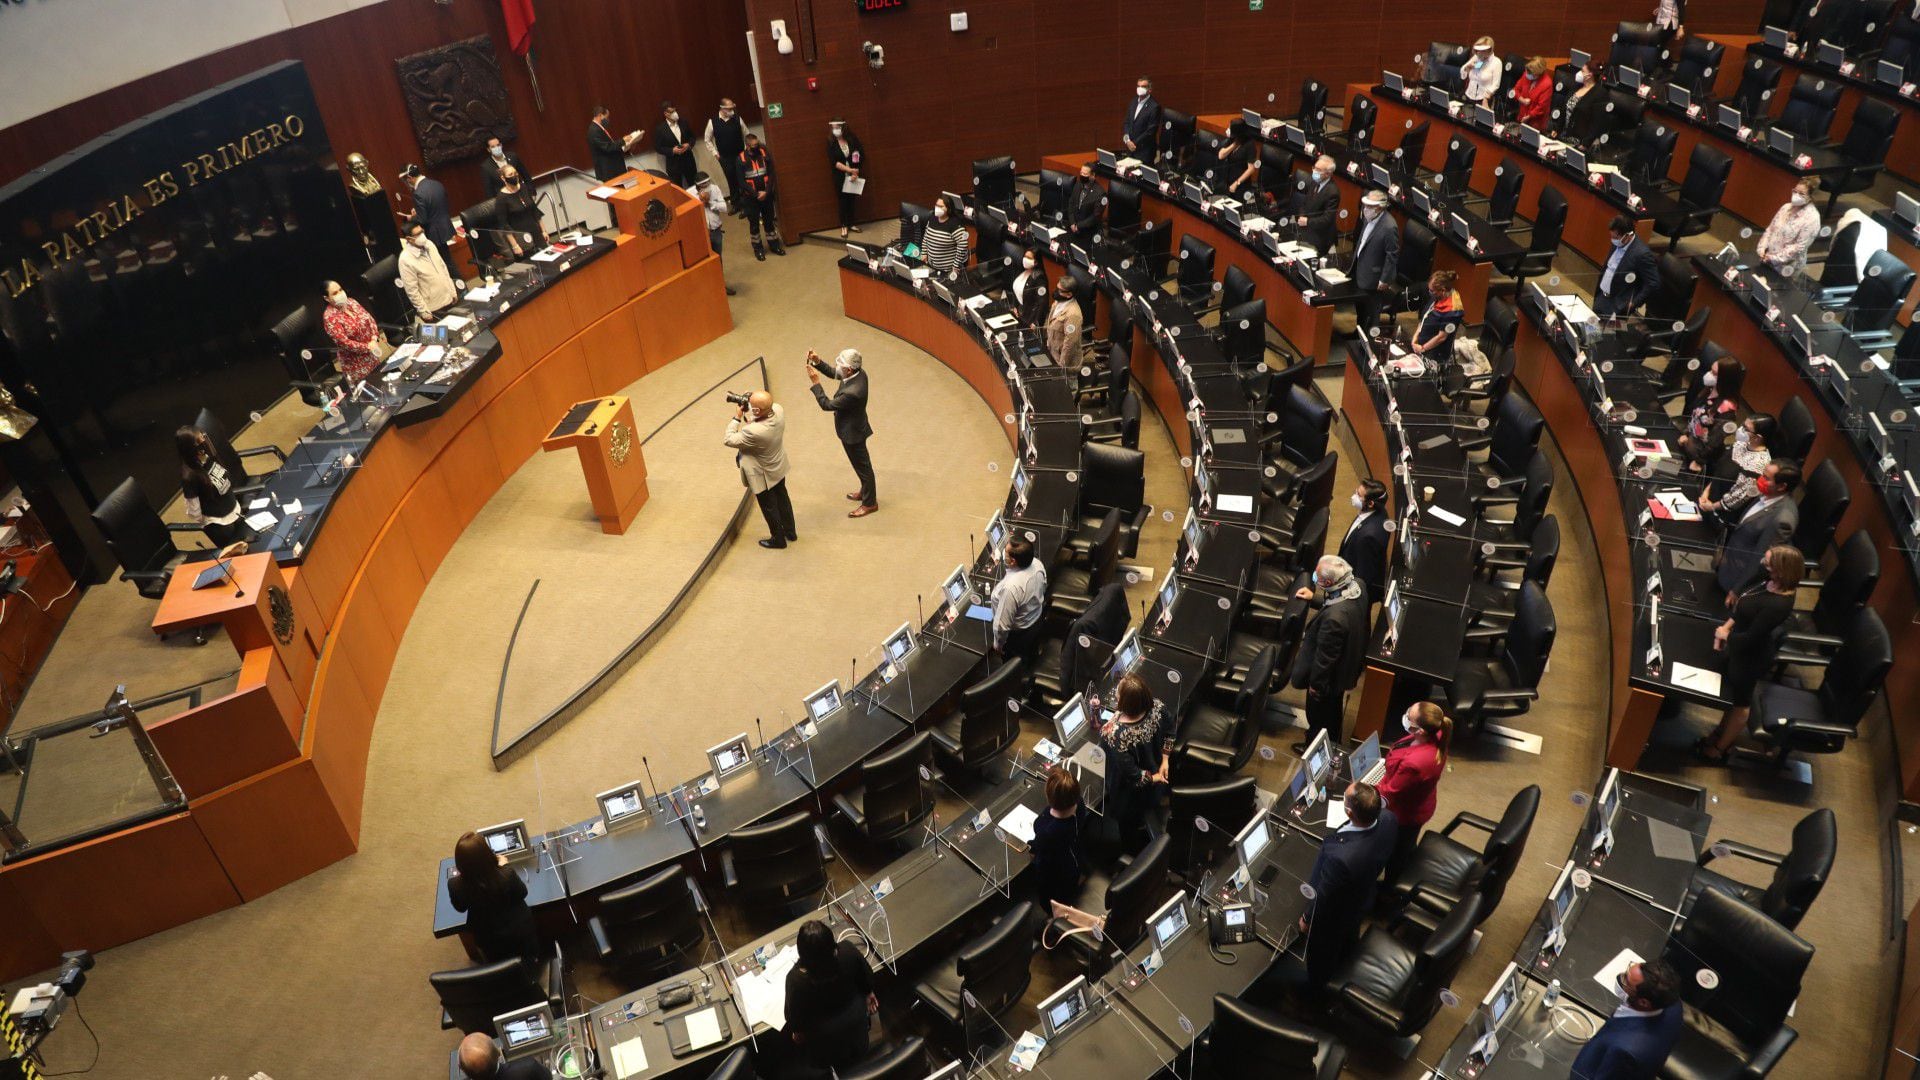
[1256, 5]
[867, 7]
[776, 110]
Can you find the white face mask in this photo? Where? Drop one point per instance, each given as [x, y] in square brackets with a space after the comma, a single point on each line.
[1580, 77]
[338, 299]
[1412, 728]
[1710, 379]
[838, 131]
[1369, 212]
[726, 113]
[1798, 198]
[418, 241]
[1358, 502]
[1026, 264]
[1319, 177]
[940, 212]
[1139, 91]
[499, 153]
[673, 118]
[1741, 437]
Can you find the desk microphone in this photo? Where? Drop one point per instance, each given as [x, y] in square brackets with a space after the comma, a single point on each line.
[762, 734]
[972, 552]
[220, 560]
[919, 610]
[853, 665]
[658, 798]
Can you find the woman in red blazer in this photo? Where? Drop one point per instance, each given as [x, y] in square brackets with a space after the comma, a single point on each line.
[1414, 766]
[1534, 93]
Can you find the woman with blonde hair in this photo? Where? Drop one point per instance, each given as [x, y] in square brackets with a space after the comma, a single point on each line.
[1748, 637]
[1414, 765]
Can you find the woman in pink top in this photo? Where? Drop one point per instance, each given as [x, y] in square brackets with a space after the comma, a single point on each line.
[1414, 766]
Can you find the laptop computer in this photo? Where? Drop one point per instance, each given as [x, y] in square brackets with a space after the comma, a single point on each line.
[1367, 763]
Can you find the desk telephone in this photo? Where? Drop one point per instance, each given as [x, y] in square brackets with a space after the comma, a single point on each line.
[1231, 924]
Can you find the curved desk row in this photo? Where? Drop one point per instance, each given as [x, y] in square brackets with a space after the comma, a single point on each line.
[274, 771]
[1862, 82]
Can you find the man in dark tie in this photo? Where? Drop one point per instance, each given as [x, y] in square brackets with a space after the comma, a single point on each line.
[1316, 206]
[849, 408]
[1770, 519]
[498, 159]
[673, 141]
[609, 150]
[1376, 259]
[1345, 875]
[1365, 545]
[1634, 1043]
[1086, 205]
[1630, 274]
[1141, 135]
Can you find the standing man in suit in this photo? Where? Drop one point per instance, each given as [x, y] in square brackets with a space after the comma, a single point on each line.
[1333, 648]
[1345, 875]
[1141, 134]
[1365, 545]
[849, 408]
[1770, 519]
[1376, 258]
[609, 150]
[758, 434]
[1316, 206]
[1634, 1043]
[480, 1059]
[673, 141]
[1631, 272]
[1086, 205]
[430, 209]
[498, 159]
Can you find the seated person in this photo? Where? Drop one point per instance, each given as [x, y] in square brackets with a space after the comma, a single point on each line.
[1715, 405]
[1750, 457]
[829, 998]
[480, 1059]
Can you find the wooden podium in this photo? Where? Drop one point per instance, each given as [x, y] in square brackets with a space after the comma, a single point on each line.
[252, 601]
[602, 430]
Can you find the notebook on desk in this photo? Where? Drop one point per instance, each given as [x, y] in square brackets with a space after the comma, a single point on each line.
[695, 1031]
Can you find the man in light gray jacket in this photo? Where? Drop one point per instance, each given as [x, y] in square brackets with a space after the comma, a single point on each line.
[758, 433]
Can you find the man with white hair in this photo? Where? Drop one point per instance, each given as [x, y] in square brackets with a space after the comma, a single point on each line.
[1316, 206]
[849, 408]
[1333, 648]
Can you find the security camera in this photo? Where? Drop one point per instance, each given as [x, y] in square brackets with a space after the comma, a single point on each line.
[876, 55]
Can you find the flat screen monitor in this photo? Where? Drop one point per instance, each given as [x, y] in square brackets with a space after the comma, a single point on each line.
[1774, 36]
[1366, 757]
[1020, 485]
[1293, 135]
[622, 804]
[1252, 119]
[1619, 184]
[1204, 485]
[1890, 73]
[1728, 117]
[1577, 59]
[1629, 77]
[730, 756]
[1830, 54]
[1418, 198]
[1530, 137]
[957, 588]
[1393, 82]
[997, 535]
[1780, 140]
[1105, 158]
[1460, 227]
[1501, 999]
[1253, 841]
[526, 1031]
[1484, 117]
[508, 839]
[900, 644]
[1169, 922]
[1437, 97]
[1195, 536]
[823, 702]
[1070, 724]
[1560, 897]
[1068, 1006]
[1319, 757]
[1679, 97]
[1168, 594]
[1906, 208]
[1127, 655]
[1576, 159]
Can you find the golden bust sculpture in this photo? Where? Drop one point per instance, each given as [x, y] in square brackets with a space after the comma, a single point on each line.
[15, 421]
[359, 176]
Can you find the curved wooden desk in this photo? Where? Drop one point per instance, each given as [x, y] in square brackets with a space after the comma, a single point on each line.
[275, 793]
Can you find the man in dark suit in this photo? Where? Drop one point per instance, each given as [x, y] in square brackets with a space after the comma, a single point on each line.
[1634, 1043]
[609, 150]
[430, 209]
[1332, 649]
[1770, 519]
[1141, 134]
[1345, 875]
[849, 408]
[1365, 545]
[1630, 274]
[673, 141]
[1376, 258]
[498, 159]
[1086, 203]
[1316, 206]
[480, 1059]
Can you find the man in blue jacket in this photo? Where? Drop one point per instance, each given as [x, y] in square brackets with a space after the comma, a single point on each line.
[1345, 876]
[431, 210]
[1141, 135]
[1631, 273]
[1635, 1042]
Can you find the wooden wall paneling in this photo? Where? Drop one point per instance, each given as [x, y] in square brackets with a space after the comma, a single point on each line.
[610, 351]
[340, 722]
[26, 946]
[274, 828]
[125, 885]
[516, 425]
[394, 578]
[430, 522]
[231, 737]
[682, 314]
[565, 378]
[472, 473]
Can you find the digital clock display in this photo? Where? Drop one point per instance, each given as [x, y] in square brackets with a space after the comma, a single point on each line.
[869, 6]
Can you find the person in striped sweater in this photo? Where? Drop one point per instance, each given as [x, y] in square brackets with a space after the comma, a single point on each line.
[944, 246]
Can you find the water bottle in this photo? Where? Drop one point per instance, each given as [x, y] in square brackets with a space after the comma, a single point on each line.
[1553, 994]
[700, 822]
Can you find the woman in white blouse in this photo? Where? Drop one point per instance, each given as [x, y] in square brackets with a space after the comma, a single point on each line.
[1482, 73]
[1791, 232]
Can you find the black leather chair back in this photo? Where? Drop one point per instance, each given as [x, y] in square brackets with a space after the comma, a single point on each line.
[1413, 146]
[779, 859]
[1870, 136]
[896, 798]
[1252, 1043]
[1841, 270]
[296, 331]
[1798, 879]
[1673, 300]
[1516, 431]
[1534, 495]
[1824, 499]
[1504, 846]
[1306, 424]
[993, 968]
[1313, 106]
[1119, 370]
[1625, 112]
[1754, 95]
[1243, 330]
[1512, 66]
[1103, 624]
[1903, 45]
[1793, 435]
[1810, 107]
[1530, 639]
[1134, 892]
[1504, 201]
[1363, 119]
[1445, 59]
[384, 300]
[1856, 573]
[1499, 328]
[1176, 132]
[1651, 158]
[1416, 254]
[1130, 420]
[473, 996]
[1309, 539]
[1457, 170]
[1544, 553]
[1549, 220]
[993, 182]
[1255, 693]
[1111, 478]
[1438, 961]
[653, 920]
[1314, 484]
[1123, 206]
[1195, 274]
[738, 1066]
[913, 222]
[1226, 806]
[1236, 288]
[1707, 170]
[1853, 679]
[1700, 60]
[908, 1061]
[1103, 553]
[1086, 293]
[133, 529]
[1758, 961]
[987, 724]
[1881, 293]
[1054, 186]
[1635, 45]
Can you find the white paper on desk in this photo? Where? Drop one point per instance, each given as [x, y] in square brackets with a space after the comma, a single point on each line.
[482, 295]
[1446, 515]
[405, 351]
[1329, 274]
[456, 323]
[1693, 678]
[432, 354]
[1018, 823]
[1126, 164]
[1336, 813]
[1235, 504]
[703, 1027]
[762, 995]
[853, 185]
[976, 301]
[629, 1058]
[290, 507]
[262, 521]
[1001, 322]
[547, 255]
[259, 504]
[1609, 976]
[604, 191]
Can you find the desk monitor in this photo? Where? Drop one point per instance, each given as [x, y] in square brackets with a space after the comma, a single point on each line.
[1195, 536]
[509, 839]
[1629, 77]
[1204, 485]
[997, 536]
[1619, 184]
[1168, 594]
[1253, 841]
[823, 702]
[858, 253]
[1193, 191]
[1460, 227]
[1393, 82]
[1127, 655]
[1417, 196]
[1679, 97]
[1484, 116]
[1505, 992]
[1365, 758]
[1104, 157]
[1780, 141]
[1319, 758]
[1906, 208]
[1252, 119]
[1530, 137]
[1774, 36]
[526, 1031]
[1729, 117]
[1169, 922]
[1393, 607]
[950, 1071]
[957, 588]
[1070, 724]
[900, 644]
[1559, 903]
[1297, 790]
[1020, 485]
[1762, 290]
[1576, 159]
[1605, 807]
[1890, 73]
[1437, 97]
[1293, 135]
[621, 805]
[1381, 177]
[730, 756]
[1830, 54]
[1577, 59]
[1068, 1006]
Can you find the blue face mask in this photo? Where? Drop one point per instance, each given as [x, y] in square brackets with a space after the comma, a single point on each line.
[1621, 242]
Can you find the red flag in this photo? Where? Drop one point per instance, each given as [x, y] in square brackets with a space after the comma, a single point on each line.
[519, 15]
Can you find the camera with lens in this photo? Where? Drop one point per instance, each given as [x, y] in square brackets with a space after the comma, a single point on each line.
[737, 400]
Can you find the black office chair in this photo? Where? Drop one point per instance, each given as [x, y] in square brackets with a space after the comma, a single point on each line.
[1505, 102]
[908, 1061]
[1698, 196]
[1073, 588]
[1738, 1028]
[1499, 328]
[1123, 211]
[141, 542]
[296, 339]
[471, 997]
[1509, 440]
[1847, 588]
[1754, 95]
[1287, 527]
[1824, 500]
[1543, 243]
[1122, 902]
[993, 182]
[1243, 332]
[647, 929]
[1194, 275]
[892, 797]
[1358, 126]
[1625, 112]
[1840, 268]
[483, 227]
[384, 298]
[1177, 130]
[1444, 63]
[1407, 155]
[1444, 872]
[984, 979]
[913, 222]
[1870, 312]
[1121, 429]
[1635, 45]
[1388, 987]
[1902, 46]
[1054, 186]
[1066, 664]
[1505, 684]
[1793, 431]
[1789, 718]
[1247, 1042]
[1810, 106]
[1224, 805]
[1216, 742]
[1503, 202]
[779, 864]
[232, 460]
[1313, 107]
[737, 1066]
[1456, 172]
[1798, 875]
[1650, 158]
[1699, 61]
[986, 722]
[1864, 150]
[1416, 260]
[1111, 478]
[1493, 598]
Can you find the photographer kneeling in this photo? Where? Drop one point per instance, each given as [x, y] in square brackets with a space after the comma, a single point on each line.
[758, 432]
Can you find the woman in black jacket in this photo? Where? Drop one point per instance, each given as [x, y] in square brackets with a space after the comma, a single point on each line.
[1749, 638]
[849, 163]
[1138, 748]
[829, 997]
[208, 489]
[1028, 290]
[1057, 861]
[495, 900]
